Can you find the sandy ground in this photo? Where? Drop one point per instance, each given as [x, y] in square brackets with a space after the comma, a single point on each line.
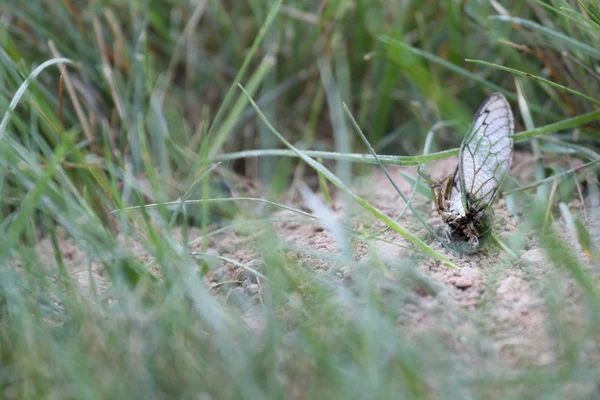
[489, 293]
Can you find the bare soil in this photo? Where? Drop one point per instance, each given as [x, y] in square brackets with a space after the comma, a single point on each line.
[490, 296]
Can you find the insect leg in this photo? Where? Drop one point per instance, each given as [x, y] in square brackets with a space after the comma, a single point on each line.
[440, 190]
[444, 191]
[434, 185]
[449, 184]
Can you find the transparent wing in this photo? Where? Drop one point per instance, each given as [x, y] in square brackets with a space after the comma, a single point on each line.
[486, 152]
[456, 204]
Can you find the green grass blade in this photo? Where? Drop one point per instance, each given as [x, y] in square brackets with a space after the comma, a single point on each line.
[23, 88]
[374, 154]
[408, 160]
[242, 72]
[537, 78]
[341, 185]
[220, 135]
[446, 64]
[543, 192]
[560, 37]
[553, 177]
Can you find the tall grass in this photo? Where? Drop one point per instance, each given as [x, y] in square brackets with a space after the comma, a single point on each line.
[114, 117]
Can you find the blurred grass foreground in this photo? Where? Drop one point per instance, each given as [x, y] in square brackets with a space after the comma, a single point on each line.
[151, 152]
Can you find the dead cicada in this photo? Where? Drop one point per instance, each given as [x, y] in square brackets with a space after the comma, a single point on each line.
[464, 199]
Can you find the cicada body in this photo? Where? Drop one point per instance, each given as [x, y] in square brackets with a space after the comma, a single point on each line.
[464, 199]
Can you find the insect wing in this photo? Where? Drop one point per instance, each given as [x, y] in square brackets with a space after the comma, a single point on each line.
[456, 203]
[486, 153]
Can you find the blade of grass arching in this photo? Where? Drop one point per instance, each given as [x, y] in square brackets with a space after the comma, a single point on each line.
[341, 185]
[374, 154]
[242, 72]
[559, 37]
[407, 160]
[23, 88]
[537, 78]
[351, 157]
[216, 200]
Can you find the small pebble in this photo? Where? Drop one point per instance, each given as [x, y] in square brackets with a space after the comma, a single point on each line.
[464, 282]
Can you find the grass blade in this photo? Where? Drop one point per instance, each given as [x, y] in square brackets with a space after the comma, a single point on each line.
[553, 177]
[374, 154]
[240, 75]
[23, 88]
[452, 67]
[341, 185]
[407, 160]
[537, 78]
[570, 42]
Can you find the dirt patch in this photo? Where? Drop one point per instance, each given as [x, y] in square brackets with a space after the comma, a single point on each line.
[489, 293]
